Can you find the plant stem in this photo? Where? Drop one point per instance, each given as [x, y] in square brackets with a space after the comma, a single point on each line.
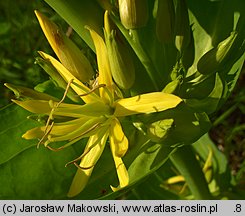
[185, 161]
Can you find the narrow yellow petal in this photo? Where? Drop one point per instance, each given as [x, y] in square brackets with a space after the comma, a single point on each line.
[34, 133]
[78, 87]
[118, 138]
[89, 128]
[26, 93]
[64, 128]
[145, 103]
[35, 106]
[103, 63]
[96, 108]
[67, 52]
[92, 153]
[122, 172]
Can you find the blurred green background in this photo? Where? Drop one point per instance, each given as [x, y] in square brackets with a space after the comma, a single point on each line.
[21, 38]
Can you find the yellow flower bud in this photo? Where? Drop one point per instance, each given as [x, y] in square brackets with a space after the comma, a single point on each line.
[67, 52]
[133, 13]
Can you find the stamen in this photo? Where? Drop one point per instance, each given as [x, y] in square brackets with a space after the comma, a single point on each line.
[89, 130]
[50, 117]
[54, 149]
[57, 105]
[92, 90]
[72, 141]
[45, 134]
[109, 94]
[82, 168]
[65, 93]
[79, 158]
[86, 151]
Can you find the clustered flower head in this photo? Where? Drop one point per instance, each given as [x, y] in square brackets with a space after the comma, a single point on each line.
[99, 111]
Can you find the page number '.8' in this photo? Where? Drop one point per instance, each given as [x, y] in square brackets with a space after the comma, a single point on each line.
[238, 208]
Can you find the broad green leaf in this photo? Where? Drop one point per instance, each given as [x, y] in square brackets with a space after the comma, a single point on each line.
[221, 171]
[212, 29]
[210, 103]
[208, 32]
[189, 126]
[25, 171]
[152, 186]
[9, 127]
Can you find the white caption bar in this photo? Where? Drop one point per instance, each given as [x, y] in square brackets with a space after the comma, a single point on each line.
[122, 207]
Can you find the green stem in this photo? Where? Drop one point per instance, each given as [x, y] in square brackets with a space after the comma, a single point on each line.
[185, 161]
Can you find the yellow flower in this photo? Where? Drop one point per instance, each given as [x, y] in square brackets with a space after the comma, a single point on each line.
[98, 118]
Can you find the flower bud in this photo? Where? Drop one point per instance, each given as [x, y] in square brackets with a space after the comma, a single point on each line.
[121, 63]
[67, 52]
[105, 4]
[182, 27]
[211, 61]
[165, 21]
[172, 87]
[133, 13]
[189, 53]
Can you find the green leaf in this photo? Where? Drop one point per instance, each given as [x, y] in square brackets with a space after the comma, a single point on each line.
[210, 103]
[221, 171]
[4, 28]
[25, 171]
[152, 186]
[209, 92]
[188, 127]
[212, 29]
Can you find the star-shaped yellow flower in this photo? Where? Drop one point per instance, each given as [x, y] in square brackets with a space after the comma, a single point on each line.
[98, 118]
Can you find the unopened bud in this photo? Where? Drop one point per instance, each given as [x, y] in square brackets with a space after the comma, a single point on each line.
[215, 58]
[67, 52]
[105, 4]
[189, 53]
[133, 13]
[182, 27]
[121, 63]
[165, 21]
[172, 87]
